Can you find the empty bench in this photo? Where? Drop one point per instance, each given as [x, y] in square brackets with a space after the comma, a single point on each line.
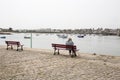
[58, 47]
[11, 43]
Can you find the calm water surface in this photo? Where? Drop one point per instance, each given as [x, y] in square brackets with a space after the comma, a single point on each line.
[109, 45]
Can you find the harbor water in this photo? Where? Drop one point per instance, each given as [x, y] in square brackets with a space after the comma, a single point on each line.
[108, 45]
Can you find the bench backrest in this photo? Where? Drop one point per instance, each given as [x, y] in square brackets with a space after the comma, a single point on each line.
[12, 42]
[64, 46]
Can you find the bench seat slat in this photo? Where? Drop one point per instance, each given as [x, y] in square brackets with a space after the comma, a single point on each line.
[63, 46]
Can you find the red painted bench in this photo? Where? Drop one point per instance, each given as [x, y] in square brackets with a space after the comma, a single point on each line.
[11, 43]
[58, 47]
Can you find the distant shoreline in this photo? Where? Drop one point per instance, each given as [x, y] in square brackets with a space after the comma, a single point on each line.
[6, 33]
[9, 33]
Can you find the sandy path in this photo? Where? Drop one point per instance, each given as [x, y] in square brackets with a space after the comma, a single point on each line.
[39, 64]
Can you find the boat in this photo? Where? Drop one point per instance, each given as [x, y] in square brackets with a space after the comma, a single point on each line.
[80, 36]
[3, 37]
[62, 36]
[37, 34]
[27, 37]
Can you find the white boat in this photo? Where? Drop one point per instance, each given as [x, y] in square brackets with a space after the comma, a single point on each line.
[37, 34]
[62, 36]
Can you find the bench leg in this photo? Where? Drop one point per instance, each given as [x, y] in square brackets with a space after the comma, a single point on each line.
[17, 48]
[70, 52]
[7, 47]
[11, 47]
[58, 52]
[22, 47]
[54, 51]
[74, 54]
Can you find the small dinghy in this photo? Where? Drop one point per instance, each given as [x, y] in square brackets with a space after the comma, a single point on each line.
[3, 37]
[80, 36]
[62, 36]
[27, 37]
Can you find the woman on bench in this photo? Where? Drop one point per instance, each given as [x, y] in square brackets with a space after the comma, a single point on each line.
[70, 42]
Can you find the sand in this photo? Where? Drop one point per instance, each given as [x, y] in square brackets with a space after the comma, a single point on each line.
[41, 64]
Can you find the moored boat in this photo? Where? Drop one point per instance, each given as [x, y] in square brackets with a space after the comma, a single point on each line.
[80, 36]
[27, 37]
[62, 36]
[3, 37]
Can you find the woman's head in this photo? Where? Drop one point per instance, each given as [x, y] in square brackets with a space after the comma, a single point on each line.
[70, 39]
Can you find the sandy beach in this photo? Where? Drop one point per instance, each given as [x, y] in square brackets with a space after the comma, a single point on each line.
[41, 64]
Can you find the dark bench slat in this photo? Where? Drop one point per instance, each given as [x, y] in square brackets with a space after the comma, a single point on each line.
[64, 46]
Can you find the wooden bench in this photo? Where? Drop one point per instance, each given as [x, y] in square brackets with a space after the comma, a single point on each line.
[11, 43]
[58, 47]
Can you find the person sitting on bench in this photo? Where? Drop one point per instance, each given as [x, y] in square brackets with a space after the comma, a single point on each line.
[70, 42]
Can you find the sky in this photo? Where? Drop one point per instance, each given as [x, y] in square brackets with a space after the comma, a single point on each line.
[59, 14]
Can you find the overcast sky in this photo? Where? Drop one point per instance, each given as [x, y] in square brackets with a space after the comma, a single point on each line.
[63, 14]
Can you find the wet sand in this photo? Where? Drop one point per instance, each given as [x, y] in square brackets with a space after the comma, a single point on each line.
[41, 64]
